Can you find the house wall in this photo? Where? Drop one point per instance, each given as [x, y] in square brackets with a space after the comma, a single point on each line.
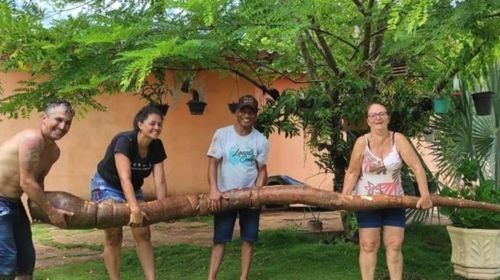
[186, 137]
[293, 154]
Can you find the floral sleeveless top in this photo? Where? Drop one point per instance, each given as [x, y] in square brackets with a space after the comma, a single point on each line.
[380, 176]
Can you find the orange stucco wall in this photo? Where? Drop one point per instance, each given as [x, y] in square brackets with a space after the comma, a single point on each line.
[186, 137]
[287, 154]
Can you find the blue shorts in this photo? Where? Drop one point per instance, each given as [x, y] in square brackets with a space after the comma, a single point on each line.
[381, 217]
[17, 253]
[101, 190]
[224, 225]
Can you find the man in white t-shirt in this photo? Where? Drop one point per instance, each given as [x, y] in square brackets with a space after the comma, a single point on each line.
[237, 158]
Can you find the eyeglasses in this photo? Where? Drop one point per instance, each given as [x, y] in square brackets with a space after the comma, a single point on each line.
[379, 115]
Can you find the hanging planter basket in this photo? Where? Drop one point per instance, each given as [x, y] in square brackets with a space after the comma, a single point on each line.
[196, 107]
[305, 104]
[186, 85]
[425, 104]
[442, 105]
[483, 102]
[232, 107]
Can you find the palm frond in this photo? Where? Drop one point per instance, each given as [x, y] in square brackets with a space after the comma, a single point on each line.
[462, 135]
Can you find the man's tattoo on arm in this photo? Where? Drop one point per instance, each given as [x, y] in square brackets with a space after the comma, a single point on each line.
[32, 153]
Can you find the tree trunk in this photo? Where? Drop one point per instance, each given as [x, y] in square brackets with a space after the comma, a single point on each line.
[88, 214]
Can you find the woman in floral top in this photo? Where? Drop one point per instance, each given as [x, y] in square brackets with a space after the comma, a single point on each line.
[375, 169]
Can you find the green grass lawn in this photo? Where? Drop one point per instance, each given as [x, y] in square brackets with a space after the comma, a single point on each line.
[281, 254]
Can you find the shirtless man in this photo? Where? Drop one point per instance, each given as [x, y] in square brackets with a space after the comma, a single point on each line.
[25, 160]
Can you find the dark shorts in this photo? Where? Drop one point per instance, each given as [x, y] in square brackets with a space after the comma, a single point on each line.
[17, 253]
[381, 217]
[249, 225]
[101, 191]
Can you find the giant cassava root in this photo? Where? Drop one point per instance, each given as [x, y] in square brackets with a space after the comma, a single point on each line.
[88, 214]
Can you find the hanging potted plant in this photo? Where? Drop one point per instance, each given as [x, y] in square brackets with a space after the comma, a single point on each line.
[186, 85]
[305, 103]
[232, 107]
[442, 101]
[196, 106]
[483, 102]
[156, 95]
[441, 104]
[187, 78]
[425, 104]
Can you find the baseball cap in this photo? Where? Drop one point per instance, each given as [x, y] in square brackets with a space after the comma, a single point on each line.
[248, 101]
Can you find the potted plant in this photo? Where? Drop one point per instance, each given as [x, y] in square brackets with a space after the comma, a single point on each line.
[305, 103]
[483, 102]
[441, 104]
[187, 78]
[196, 106]
[156, 94]
[232, 107]
[186, 85]
[425, 104]
[314, 224]
[475, 234]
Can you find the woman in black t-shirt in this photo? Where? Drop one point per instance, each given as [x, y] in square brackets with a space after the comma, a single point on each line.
[130, 157]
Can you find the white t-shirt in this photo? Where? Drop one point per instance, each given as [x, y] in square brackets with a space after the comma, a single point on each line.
[239, 157]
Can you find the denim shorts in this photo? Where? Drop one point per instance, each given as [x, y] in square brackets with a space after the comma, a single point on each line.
[17, 253]
[381, 217]
[101, 191]
[224, 225]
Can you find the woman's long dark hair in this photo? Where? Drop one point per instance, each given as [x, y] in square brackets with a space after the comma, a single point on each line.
[144, 113]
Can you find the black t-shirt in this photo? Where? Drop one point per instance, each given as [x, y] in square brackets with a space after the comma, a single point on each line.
[126, 143]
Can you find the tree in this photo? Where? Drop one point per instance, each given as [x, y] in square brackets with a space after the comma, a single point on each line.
[342, 50]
